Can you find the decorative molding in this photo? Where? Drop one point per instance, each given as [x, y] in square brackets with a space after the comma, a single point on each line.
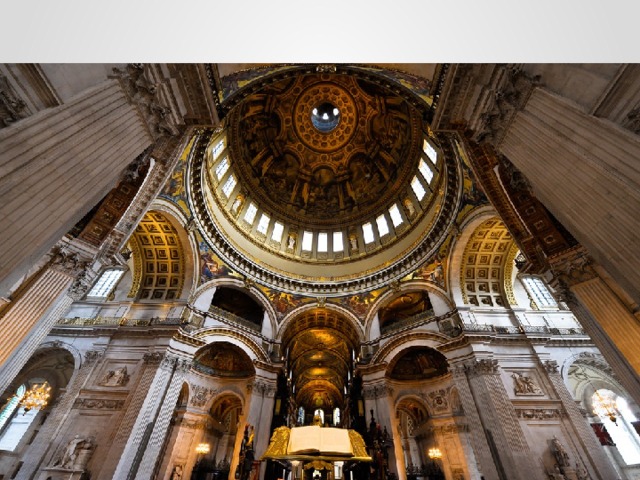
[99, 403]
[437, 400]
[377, 391]
[153, 358]
[573, 266]
[263, 388]
[507, 93]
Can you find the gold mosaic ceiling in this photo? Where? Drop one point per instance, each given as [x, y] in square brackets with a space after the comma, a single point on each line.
[314, 177]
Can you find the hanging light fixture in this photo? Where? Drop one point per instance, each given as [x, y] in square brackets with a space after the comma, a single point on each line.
[602, 405]
[435, 453]
[605, 405]
[36, 397]
[203, 448]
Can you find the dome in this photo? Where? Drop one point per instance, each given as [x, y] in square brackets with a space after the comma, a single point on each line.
[318, 177]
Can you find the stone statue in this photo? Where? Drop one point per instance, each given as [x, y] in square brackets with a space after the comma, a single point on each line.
[562, 457]
[523, 385]
[176, 474]
[76, 453]
[115, 378]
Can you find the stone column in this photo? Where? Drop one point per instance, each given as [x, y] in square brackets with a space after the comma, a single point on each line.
[483, 452]
[600, 467]
[40, 452]
[151, 362]
[551, 141]
[151, 422]
[56, 165]
[504, 435]
[29, 317]
[260, 414]
[609, 323]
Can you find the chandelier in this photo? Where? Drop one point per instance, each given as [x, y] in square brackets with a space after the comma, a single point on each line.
[435, 453]
[604, 405]
[203, 448]
[36, 397]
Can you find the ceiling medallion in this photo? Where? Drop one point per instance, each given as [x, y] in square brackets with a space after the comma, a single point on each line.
[317, 133]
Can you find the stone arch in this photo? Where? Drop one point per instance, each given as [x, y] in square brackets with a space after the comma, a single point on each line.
[484, 265]
[158, 258]
[456, 253]
[202, 297]
[190, 247]
[291, 317]
[414, 339]
[440, 301]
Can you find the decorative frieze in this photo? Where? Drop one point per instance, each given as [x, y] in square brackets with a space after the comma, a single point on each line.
[99, 403]
[539, 413]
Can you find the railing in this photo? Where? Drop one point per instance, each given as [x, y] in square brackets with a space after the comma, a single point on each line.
[523, 329]
[229, 318]
[421, 318]
[120, 321]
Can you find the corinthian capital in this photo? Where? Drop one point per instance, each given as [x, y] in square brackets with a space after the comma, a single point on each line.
[573, 266]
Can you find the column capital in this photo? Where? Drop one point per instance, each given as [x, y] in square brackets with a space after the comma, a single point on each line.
[551, 366]
[91, 357]
[572, 266]
[483, 366]
[68, 262]
[153, 358]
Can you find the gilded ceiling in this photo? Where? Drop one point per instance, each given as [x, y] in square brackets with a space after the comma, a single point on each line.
[314, 177]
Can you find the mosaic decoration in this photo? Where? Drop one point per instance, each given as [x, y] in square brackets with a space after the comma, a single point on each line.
[174, 190]
[360, 304]
[283, 303]
[472, 195]
[237, 80]
[210, 264]
[418, 85]
[435, 271]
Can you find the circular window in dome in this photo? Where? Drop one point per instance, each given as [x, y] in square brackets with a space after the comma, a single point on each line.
[325, 117]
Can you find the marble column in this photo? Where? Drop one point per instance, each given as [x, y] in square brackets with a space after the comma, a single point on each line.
[584, 169]
[40, 453]
[140, 453]
[35, 308]
[150, 363]
[56, 165]
[259, 415]
[504, 436]
[609, 323]
[483, 453]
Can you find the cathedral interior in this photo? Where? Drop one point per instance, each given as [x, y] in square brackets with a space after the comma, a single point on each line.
[442, 259]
